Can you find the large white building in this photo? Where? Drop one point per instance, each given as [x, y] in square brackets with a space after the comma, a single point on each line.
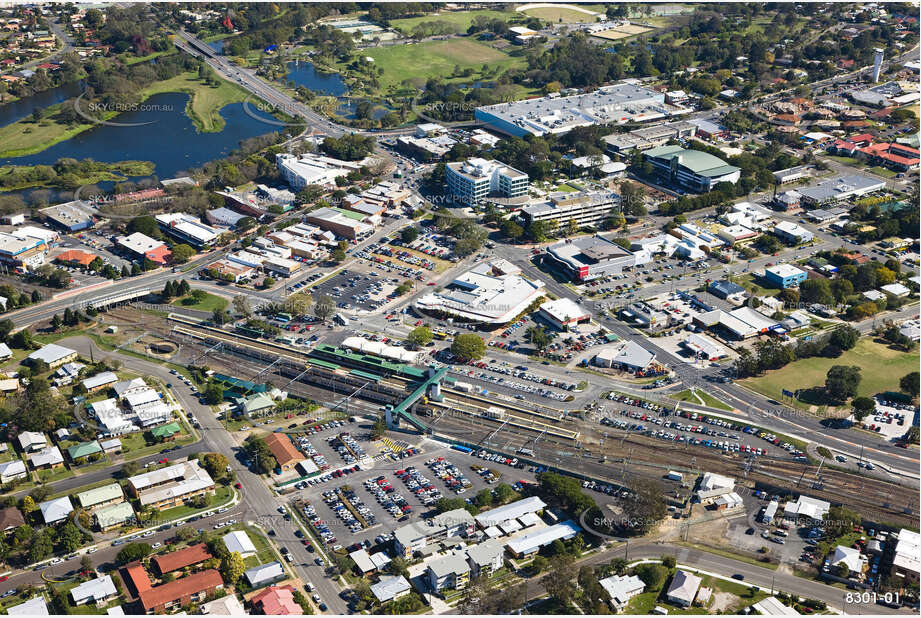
[586, 208]
[492, 292]
[616, 104]
[694, 169]
[471, 181]
[188, 229]
[313, 169]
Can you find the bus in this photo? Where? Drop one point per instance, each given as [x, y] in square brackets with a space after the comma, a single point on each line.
[284, 317]
[439, 335]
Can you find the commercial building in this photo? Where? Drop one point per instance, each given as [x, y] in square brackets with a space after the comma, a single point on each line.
[472, 181]
[589, 257]
[188, 229]
[784, 275]
[224, 217]
[70, 216]
[426, 148]
[851, 558]
[237, 271]
[25, 253]
[193, 588]
[622, 588]
[792, 174]
[141, 246]
[645, 138]
[906, 561]
[563, 312]
[99, 591]
[683, 588]
[811, 509]
[723, 288]
[284, 451]
[280, 266]
[75, 257]
[53, 354]
[792, 234]
[840, 188]
[736, 234]
[180, 559]
[741, 323]
[343, 223]
[171, 486]
[616, 104]
[533, 541]
[313, 169]
[703, 348]
[586, 208]
[492, 292]
[696, 170]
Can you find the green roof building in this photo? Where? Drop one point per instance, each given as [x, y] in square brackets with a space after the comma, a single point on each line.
[84, 449]
[112, 516]
[259, 404]
[692, 169]
[166, 431]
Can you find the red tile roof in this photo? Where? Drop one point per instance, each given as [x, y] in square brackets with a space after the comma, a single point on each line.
[277, 601]
[193, 554]
[139, 577]
[284, 451]
[180, 588]
[75, 255]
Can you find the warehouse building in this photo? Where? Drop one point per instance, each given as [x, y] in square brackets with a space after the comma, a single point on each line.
[840, 188]
[343, 223]
[589, 257]
[70, 216]
[696, 170]
[792, 234]
[529, 544]
[616, 104]
[472, 181]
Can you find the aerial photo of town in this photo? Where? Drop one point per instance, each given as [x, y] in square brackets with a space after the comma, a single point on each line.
[459, 308]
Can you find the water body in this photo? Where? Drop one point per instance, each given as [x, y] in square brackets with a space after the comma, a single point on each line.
[17, 110]
[303, 73]
[217, 46]
[171, 141]
[348, 108]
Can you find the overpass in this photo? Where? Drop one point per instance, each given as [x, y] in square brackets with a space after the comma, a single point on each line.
[433, 382]
[115, 299]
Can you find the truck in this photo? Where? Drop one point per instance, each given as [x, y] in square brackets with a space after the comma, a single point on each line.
[462, 449]
[674, 476]
[341, 319]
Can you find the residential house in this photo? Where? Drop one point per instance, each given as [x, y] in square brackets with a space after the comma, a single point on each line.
[48, 458]
[99, 591]
[32, 441]
[13, 471]
[264, 574]
[238, 541]
[390, 588]
[10, 519]
[622, 588]
[276, 601]
[56, 510]
[683, 588]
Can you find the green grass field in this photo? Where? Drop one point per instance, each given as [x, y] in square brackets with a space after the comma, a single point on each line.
[436, 59]
[561, 14]
[209, 303]
[708, 400]
[881, 369]
[461, 19]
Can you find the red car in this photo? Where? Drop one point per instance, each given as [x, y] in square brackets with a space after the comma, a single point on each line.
[164, 460]
[238, 485]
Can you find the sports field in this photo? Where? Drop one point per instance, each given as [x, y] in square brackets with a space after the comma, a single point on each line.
[880, 368]
[436, 59]
[460, 19]
[561, 14]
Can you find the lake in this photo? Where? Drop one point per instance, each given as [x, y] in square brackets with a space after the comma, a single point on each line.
[171, 141]
[303, 73]
[17, 110]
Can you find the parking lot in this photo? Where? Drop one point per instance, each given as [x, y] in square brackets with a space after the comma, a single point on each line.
[361, 288]
[394, 493]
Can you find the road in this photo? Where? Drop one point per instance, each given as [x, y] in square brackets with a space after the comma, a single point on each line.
[762, 577]
[258, 504]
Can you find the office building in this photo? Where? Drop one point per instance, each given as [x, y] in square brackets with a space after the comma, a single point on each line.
[188, 229]
[140, 246]
[645, 138]
[693, 169]
[840, 188]
[343, 223]
[492, 292]
[616, 104]
[563, 312]
[313, 169]
[472, 181]
[784, 275]
[792, 234]
[589, 257]
[586, 208]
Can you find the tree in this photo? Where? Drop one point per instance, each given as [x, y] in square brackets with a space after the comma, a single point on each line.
[862, 407]
[842, 381]
[132, 552]
[467, 347]
[241, 305]
[840, 520]
[420, 336]
[246, 223]
[337, 255]
[232, 567]
[215, 463]
[816, 291]
[268, 282]
[299, 303]
[214, 394]
[146, 225]
[653, 575]
[324, 307]
[182, 253]
[909, 383]
[540, 337]
[28, 505]
[69, 537]
[844, 337]
[409, 234]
